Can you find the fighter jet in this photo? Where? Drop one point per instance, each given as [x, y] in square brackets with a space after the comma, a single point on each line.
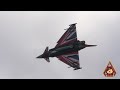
[67, 48]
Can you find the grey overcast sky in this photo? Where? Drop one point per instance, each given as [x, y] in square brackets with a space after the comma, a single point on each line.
[25, 34]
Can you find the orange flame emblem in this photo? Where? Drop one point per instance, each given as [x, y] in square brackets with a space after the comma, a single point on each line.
[109, 71]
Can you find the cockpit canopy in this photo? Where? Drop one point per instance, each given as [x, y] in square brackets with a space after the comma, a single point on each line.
[82, 42]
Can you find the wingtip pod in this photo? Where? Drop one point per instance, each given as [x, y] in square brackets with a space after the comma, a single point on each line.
[77, 68]
[73, 24]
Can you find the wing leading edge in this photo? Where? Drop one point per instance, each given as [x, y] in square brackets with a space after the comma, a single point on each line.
[68, 37]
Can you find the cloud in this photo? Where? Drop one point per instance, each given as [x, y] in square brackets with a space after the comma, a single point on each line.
[25, 35]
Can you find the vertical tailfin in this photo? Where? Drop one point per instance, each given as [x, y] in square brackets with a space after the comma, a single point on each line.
[46, 50]
[46, 53]
[47, 59]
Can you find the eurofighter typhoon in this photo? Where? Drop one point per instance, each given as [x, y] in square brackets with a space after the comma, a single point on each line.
[67, 48]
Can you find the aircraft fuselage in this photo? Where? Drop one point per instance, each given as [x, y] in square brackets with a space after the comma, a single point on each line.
[67, 48]
[76, 46]
[64, 49]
